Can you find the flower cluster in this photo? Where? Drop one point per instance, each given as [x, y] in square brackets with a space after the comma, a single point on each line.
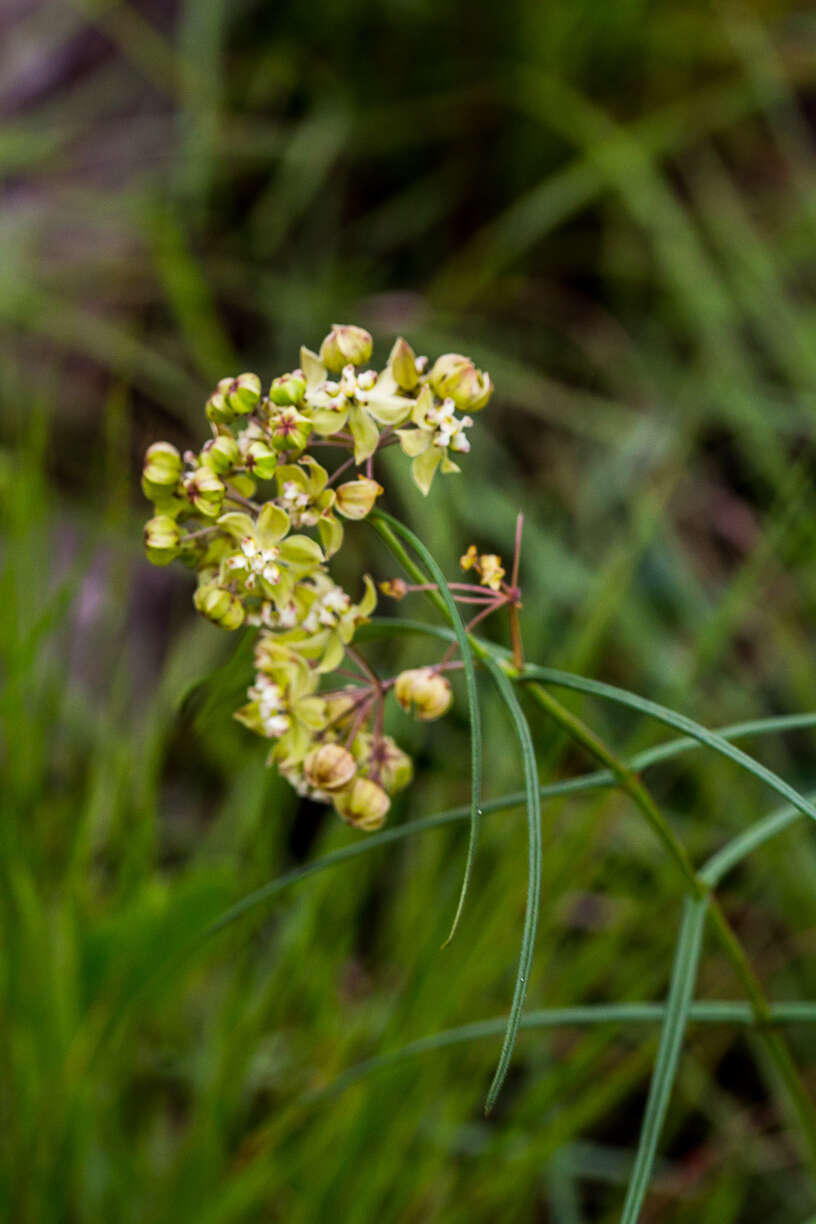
[258, 518]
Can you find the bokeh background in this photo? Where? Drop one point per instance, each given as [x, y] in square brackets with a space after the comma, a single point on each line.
[612, 207]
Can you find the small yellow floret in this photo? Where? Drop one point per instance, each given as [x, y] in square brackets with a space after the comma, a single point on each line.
[470, 560]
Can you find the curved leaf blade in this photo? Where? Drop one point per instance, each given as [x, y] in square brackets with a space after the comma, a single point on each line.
[531, 787]
[379, 518]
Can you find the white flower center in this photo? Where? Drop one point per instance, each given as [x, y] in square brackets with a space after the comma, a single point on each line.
[259, 561]
[292, 496]
[450, 429]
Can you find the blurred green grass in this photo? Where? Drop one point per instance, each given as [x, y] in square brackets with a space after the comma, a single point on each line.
[614, 210]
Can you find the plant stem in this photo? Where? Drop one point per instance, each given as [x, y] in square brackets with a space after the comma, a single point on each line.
[339, 471]
[515, 636]
[514, 575]
[363, 666]
[241, 501]
[201, 534]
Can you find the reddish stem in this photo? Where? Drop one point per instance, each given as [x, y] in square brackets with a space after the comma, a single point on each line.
[342, 468]
[379, 718]
[232, 496]
[363, 666]
[359, 719]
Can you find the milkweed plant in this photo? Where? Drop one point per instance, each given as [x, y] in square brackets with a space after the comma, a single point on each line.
[259, 513]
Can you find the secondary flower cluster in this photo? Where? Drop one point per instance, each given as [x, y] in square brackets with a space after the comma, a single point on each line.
[258, 518]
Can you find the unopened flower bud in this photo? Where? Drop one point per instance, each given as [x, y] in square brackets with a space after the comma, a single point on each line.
[290, 429]
[219, 606]
[356, 498]
[288, 389]
[243, 484]
[329, 767]
[345, 343]
[395, 766]
[162, 537]
[404, 365]
[218, 410]
[161, 471]
[423, 692]
[394, 587]
[241, 393]
[221, 454]
[456, 377]
[261, 460]
[364, 804]
[206, 492]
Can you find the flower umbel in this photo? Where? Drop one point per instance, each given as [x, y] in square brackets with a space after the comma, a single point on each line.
[258, 516]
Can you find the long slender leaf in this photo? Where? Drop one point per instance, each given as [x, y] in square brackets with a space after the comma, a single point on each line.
[379, 518]
[678, 1006]
[745, 843]
[680, 722]
[531, 784]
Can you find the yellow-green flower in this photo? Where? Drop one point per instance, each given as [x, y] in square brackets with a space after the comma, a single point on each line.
[362, 400]
[326, 619]
[302, 493]
[283, 705]
[267, 561]
[438, 431]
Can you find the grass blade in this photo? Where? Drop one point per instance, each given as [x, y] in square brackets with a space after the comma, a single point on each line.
[676, 1016]
[531, 784]
[380, 519]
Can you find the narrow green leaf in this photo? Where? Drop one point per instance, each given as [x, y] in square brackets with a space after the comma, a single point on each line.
[680, 722]
[531, 786]
[379, 518]
[676, 1016]
[745, 843]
